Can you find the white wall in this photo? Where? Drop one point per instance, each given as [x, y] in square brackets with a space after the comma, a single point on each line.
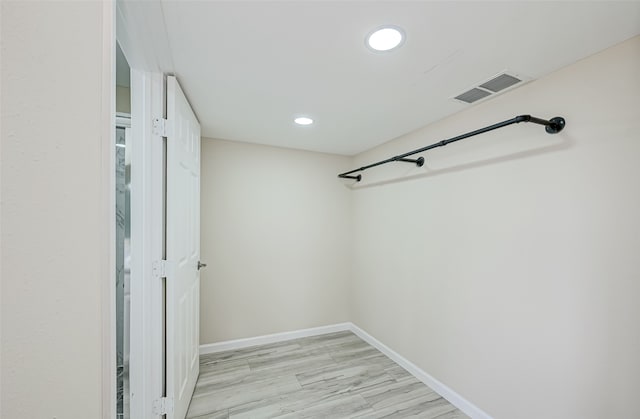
[123, 99]
[507, 267]
[276, 235]
[55, 255]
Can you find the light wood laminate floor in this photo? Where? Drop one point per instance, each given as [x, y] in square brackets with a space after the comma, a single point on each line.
[335, 375]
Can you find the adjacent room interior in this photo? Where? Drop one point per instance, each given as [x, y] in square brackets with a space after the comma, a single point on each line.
[323, 209]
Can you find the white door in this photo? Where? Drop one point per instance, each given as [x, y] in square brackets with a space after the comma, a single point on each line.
[183, 249]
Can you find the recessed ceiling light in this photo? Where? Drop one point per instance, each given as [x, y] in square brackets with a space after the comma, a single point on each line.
[303, 120]
[385, 38]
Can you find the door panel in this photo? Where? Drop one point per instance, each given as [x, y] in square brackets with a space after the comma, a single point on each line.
[183, 249]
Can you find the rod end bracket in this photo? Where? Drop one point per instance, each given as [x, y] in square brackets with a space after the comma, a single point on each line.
[557, 124]
[420, 162]
[345, 176]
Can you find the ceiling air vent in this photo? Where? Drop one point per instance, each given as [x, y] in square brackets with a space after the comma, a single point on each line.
[473, 95]
[503, 81]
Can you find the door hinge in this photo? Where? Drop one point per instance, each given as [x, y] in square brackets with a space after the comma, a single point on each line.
[160, 127]
[160, 268]
[163, 406]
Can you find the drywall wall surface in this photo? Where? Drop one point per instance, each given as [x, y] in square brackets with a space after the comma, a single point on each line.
[123, 99]
[52, 209]
[507, 267]
[276, 235]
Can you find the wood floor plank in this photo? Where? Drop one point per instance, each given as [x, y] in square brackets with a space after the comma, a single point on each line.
[340, 408]
[223, 398]
[282, 360]
[211, 375]
[430, 405]
[328, 340]
[254, 351]
[396, 393]
[336, 375]
[351, 384]
[283, 404]
[223, 414]
[397, 372]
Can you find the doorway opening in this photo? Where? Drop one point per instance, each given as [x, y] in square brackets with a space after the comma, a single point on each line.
[123, 233]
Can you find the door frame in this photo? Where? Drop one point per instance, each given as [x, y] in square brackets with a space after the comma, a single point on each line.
[107, 269]
[146, 358]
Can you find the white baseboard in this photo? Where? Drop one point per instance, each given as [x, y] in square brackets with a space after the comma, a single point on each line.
[454, 398]
[276, 337]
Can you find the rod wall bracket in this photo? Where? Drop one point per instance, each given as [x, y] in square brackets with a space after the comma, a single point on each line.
[357, 178]
[419, 161]
[556, 125]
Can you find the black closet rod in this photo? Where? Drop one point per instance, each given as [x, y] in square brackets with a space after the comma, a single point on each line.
[552, 126]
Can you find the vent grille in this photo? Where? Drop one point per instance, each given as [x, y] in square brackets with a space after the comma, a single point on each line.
[473, 95]
[500, 83]
[493, 86]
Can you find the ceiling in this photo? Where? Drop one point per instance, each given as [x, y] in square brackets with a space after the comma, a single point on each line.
[249, 68]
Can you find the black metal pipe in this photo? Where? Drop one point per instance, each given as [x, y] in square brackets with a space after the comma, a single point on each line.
[552, 126]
